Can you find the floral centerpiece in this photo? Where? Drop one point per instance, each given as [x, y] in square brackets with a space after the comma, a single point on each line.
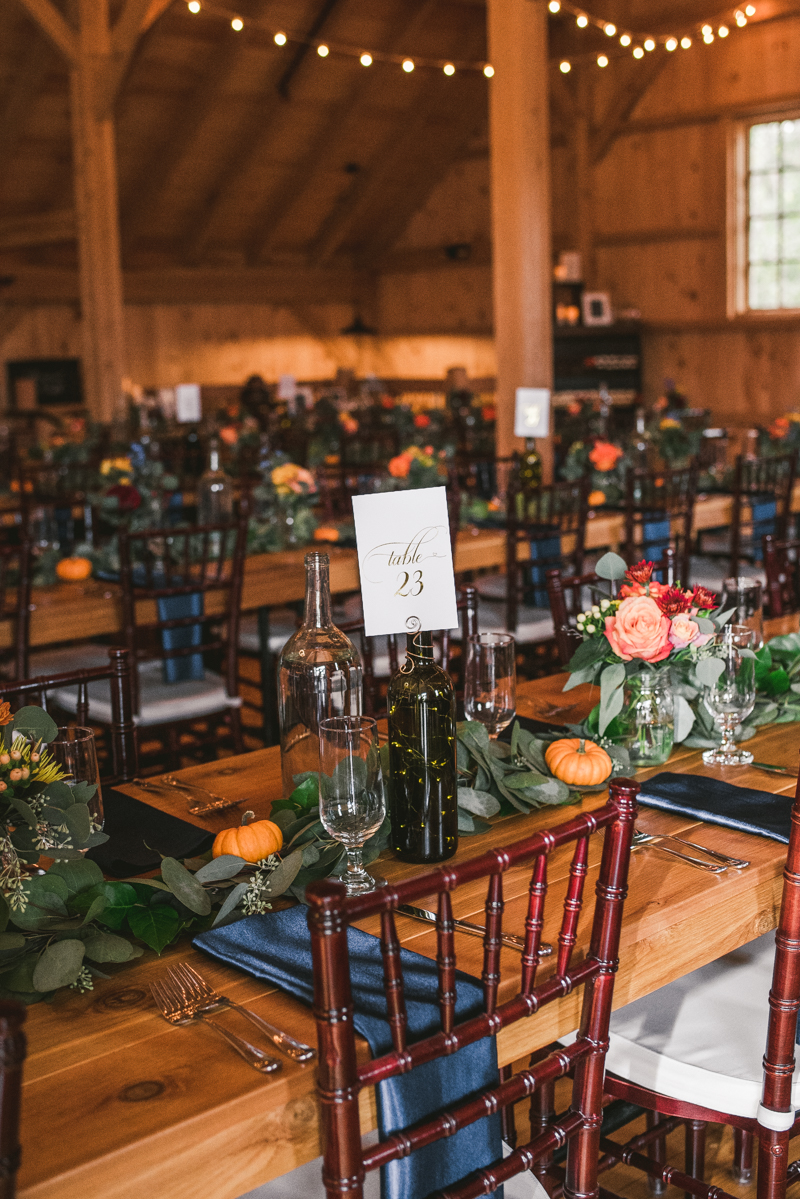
[631, 643]
[133, 490]
[781, 437]
[606, 462]
[417, 467]
[283, 506]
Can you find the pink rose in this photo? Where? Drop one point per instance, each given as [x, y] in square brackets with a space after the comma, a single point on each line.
[685, 631]
[639, 630]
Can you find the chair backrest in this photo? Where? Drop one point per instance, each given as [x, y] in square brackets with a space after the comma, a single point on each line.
[659, 509]
[124, 754]
[443, 647]
[767, 484]
[782, 568]
[567, 596]
[505, 1001]
[15, 604]
[13, 1049]
[168, 565]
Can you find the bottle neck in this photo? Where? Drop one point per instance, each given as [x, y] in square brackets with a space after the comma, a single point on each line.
[419, 646]
[213, 459]
[318, 592]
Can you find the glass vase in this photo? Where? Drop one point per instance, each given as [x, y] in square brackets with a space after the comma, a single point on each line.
[645, 723]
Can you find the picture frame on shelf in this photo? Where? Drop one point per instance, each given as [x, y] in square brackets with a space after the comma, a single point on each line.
[596, 308]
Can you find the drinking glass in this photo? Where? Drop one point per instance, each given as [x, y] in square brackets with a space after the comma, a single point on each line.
[351, 801]
[733, 696]
[490, 681]
[74, 750]
[744, 596]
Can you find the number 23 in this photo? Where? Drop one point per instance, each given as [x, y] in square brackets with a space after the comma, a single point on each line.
[412, 588]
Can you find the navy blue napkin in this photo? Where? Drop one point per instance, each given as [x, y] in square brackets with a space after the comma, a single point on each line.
[546, 552]
[656, 532]
[763, 513]
[758, 812]
[138, 836]
[175, 607]
[277, 947]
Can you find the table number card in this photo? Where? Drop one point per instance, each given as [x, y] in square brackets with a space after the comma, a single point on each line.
[405, 561]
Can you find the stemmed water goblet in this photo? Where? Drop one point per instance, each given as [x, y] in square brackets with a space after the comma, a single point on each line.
[490, 681]
[351, 800]
[75, 752]
[731, 698]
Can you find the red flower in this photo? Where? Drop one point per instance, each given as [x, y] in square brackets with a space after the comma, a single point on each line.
[387, 402]
[642, 572]
[422, 420]
[673, 601]
[128, 496]
[703, 598]
[230, 435]
[488, 413]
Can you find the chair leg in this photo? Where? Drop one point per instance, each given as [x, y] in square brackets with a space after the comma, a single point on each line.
[657, 1152]
[773, 1159]
[695, 1150]
[742, 1167]
[507, 1123]
[235, 716]
[542, 1113]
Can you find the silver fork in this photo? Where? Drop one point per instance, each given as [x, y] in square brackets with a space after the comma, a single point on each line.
[176, 1011]
[202, 996]
[217, 804]
[642, 840]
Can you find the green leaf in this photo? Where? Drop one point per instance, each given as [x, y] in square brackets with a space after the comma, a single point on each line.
[307, 794]
[478, 803]
[578, 677]
[227, 865]
[776, 682]
[708, 670]
[231, 900]
[35, 722]
[155, 926]
[77, 875]
[611, 694]
[59, 795]
[184, 887]
[704, 624]
[551, 792]
[281, 879]
[59, 965]
[466, 824]
[25, 810]
[589, 653]
[683, 718]
[105, 947]
[9, 941]
[82, 791]
[79, 822]
[515, 731]
[283, 816]
[4, 914]
[119, 899]
[526, 778]
[611, 567]
[473, 733]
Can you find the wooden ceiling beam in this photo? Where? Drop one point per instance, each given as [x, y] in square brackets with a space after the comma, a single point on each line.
[132, 23]
[33, 68]
[303, 49]
[267, 220]
[51, 22]
[244, 146]
[628, 96]
[41, 229]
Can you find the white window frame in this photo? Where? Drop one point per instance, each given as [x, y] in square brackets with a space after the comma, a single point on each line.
[737, 215]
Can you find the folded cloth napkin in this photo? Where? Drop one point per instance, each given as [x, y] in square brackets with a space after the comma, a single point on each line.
[532, 726]
[763, 514]
[758, 812]
[656, 532]
[176, 607]
[277, 947]
[138, 836]
[546, 554]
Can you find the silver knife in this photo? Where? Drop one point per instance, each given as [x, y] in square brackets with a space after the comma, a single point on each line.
[775, 769]
[472, 930]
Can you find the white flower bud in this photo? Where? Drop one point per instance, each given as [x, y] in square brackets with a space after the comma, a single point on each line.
[589, 628]
[604, 604]
[595, 610]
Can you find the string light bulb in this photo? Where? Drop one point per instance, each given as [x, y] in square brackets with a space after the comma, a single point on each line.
[625, 40]
[582, 21]
[565, 67]
[708, 38]
[609, 29]
[193, 5]
[638, 52]
[237, 23]
[649, 44]
[322, 50]
[686, 43]
[750, 10]
[408, 66]
[280, 39]
[706, 30]
[366, 60]
[671, 44]
[554, 5]
[740, 18]
[723, 31]
[602, 61]
[449, 69]
[488, 71]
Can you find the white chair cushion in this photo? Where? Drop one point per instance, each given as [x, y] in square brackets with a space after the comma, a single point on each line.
[306, 1183]
[282, 623]
[533, 624]
[712, 573]
[701, 1039]
[67, 658]
[159, 702]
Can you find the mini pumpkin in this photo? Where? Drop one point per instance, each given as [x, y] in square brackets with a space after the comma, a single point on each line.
[249, 841]
[74, 569]
[578, 762]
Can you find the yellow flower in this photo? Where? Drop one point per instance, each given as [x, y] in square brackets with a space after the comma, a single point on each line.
[669, 423]
[109, 464]
[793, 416]
[596, 498]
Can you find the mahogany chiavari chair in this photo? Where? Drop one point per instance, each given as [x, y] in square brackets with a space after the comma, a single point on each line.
[782, 568]
[380, 664]
[659, 510]
[13, 1048]
[701, 1038]
[15, 603]
[341, 1078]
[765, 485]
[73, 687]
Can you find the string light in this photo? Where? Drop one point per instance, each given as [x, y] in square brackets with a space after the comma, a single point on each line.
[638, 52]
[706, 30]
[565, 67]
[408, 66]
[750, 10]
[582, 21]
[323, 51]
[366, 60]
[609, 29]
[554, 5]
[686, 42]
[625, 40]
[649, 44]
[671, 43]
[602, 61]
[280, 39]
[741, 19]
[488, 71]
[449, 69]
[193, 5]
[237, 23]
[723, 31]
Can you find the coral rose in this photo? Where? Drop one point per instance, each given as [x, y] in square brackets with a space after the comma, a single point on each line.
[605, 456]
[400, 466]
[230, 435]
[684, 631]
[652, 588]
[639, 630]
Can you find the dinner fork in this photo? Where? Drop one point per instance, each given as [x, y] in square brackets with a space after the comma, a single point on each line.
[218, 802]
[641, 840]
[203, 998]
[173, 1009]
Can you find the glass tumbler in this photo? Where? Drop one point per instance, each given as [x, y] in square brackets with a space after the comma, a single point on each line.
[490, 681]
[732, 697]
[351, 800]
[745, 597]
[74, 750]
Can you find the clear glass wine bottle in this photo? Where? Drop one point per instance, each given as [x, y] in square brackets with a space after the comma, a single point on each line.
[319, 676]
[214, 491]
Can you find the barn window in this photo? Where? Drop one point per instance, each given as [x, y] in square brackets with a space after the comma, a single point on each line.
[772, 202]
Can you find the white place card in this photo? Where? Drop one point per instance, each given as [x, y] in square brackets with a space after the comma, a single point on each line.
[405, 561]
[287, 387]
[188, 408]
[532, 412]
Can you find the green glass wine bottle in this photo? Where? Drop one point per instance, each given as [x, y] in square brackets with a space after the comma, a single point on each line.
[530, 465]
[422, 757]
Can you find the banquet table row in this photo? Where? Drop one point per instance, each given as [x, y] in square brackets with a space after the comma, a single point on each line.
[92, 608]
[117, 1103]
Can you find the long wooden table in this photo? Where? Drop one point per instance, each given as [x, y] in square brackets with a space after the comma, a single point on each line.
[118, 1104]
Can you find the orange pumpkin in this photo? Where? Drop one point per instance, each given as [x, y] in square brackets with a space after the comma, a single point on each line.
[249, 841]
[577, 762]
[74, 569]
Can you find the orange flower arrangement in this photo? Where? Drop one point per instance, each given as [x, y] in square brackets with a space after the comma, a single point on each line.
[604, 455]
[422, 420]
[596, 498]
[5, 713]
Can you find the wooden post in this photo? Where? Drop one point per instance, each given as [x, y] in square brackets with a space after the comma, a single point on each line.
[584, 178]
[520, 159]
[97, 209]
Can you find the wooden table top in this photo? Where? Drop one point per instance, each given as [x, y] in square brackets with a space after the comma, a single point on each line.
[117, 1103]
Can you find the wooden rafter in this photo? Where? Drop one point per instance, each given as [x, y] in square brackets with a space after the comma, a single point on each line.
[34, 66]
[243, 148]
[40, 229]
[134, 20]
[316, 27]
[624, 103]
[267, 220]
[51, 22]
